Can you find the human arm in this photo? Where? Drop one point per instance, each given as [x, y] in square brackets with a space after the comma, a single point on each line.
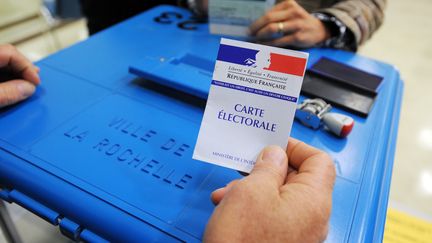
[353, 22]
[289, 24]
[20, 76]
[361, 17]
[286, 198]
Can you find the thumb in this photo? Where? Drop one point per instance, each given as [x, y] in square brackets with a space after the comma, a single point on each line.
[271, 166]
[14, 91]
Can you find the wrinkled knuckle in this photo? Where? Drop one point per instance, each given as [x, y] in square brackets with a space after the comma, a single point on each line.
[14, 96]
[7, 97]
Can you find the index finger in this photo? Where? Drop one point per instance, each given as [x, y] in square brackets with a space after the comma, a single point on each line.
[11, 57]
[283, 5]
[268, 18]
[280, 12]
[314, 166]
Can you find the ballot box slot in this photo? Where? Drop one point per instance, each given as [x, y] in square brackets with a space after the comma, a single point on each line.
[171, 92]
[184, 72]
[195, 61]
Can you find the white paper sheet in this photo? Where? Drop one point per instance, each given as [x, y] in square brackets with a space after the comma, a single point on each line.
[233, 17]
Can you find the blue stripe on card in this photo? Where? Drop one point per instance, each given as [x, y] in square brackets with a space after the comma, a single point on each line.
[254, 91]
[237, 55]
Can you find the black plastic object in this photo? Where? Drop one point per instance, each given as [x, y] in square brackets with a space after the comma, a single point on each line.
[346, 74]
[342, 85]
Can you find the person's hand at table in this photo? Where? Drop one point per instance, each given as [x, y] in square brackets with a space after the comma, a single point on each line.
[289, 24]
[22, 76]
[276, 202]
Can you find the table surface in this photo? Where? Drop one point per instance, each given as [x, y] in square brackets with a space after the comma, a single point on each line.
[106, 154]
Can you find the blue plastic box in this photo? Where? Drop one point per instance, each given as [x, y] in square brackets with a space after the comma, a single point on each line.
[108, 156]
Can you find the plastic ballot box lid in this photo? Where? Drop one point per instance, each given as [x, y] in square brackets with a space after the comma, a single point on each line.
[107, 155]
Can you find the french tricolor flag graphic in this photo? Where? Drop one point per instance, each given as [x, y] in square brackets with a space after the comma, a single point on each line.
[259, 59]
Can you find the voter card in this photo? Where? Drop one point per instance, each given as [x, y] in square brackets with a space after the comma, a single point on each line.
[251, 103]
[233, 17]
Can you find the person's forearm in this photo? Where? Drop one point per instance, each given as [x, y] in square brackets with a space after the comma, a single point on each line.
[363, 25]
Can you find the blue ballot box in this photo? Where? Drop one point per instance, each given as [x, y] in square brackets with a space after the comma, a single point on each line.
[107, 155]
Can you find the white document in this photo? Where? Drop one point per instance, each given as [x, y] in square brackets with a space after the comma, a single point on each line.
[233, 17]
[251, 103]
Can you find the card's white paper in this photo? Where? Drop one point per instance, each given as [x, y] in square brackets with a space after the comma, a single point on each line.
[233, 17]
[251, 103]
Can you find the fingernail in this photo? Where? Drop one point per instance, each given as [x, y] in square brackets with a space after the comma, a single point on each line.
[274, 154]
[26, 89]
[36, 78]
[218, 190]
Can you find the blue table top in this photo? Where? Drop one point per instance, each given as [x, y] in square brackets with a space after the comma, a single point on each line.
[108, 155]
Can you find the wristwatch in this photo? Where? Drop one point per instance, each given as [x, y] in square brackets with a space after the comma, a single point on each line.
[340, 36]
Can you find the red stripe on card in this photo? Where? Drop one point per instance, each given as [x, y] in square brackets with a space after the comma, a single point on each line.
[287, 64]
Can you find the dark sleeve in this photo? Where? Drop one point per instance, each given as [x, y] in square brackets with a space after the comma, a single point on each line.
[102, 14]
[362, 17]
